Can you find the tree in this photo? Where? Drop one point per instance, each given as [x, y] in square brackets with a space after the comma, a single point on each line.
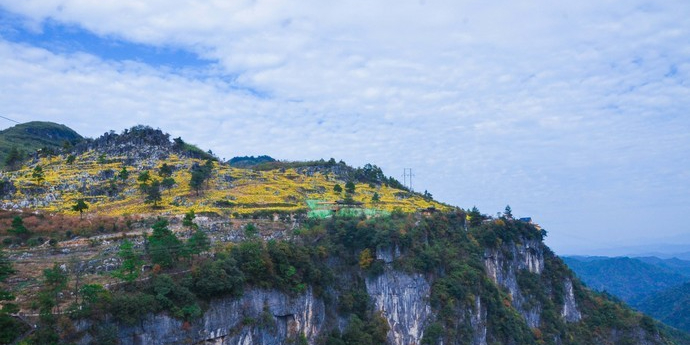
[198, 243]
[38, 174]
[508, 213]
[350, 187]
[168, 183]
[10, 328]
[124, 174]
[197, 181]
[14, 158]
[70, 159]
[376, 198]
[6, 270]
[163, 246]
[427, 196]
[474, 217]
[188, 220]
[337, 189]
[18, 229]
[144, 177]
[131, 263]
[80, 206]
[153, 193]
[200, 174]
[165, 170]
[365, 258]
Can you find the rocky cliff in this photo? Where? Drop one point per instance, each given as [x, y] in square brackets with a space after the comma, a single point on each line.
[521, 294]
[258, 317]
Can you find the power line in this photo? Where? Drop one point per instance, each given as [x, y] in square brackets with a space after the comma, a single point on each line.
[8, 119]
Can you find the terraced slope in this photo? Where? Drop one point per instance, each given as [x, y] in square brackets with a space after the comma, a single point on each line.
[94, 173]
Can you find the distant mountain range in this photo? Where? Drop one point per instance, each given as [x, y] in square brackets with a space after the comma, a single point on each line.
[656, 286]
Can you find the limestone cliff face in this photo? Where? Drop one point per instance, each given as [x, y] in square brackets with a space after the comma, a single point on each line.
[503, 265]
[403, 300]
[259, 317]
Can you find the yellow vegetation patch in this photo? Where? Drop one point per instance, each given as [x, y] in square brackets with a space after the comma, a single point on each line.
[96, 179]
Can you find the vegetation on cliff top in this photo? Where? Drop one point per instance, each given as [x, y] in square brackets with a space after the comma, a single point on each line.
[333, 257]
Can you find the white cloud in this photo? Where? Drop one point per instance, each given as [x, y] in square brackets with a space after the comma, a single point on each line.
[562, 110]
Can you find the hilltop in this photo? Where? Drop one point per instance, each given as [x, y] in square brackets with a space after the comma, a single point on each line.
[28, 137]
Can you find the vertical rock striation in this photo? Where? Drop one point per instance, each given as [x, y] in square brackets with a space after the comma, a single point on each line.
[403, 300]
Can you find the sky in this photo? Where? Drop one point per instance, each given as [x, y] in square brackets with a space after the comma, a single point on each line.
[573, 113]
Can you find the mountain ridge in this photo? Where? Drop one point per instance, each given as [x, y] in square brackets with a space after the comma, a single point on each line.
[304, 252]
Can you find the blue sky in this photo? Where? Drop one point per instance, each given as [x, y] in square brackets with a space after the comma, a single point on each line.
[575, 114]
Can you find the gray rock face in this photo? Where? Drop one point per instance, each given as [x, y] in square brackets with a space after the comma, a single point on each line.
[502, 266]
[403, 300]
[570, 312]
[259, 317]
[478, 322]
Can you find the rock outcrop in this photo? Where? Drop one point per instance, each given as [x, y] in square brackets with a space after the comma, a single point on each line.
[259, 317]
[403, 300]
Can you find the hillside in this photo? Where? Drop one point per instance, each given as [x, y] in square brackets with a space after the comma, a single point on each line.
[655, 286]
[105, 174]
[670, 306]
[28, 137]
[626, 278]
[134, 238]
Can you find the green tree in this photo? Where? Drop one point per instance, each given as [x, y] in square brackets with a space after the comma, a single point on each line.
[200, 174]
[153, 193]
[475, 217]
[70, 159]
[131, 263]
[38, 175]
[165, 170]
[508, 213]
[14, 158]
[10, 328]
[350, 187]
[94, 300]
[188, 220]
[124, 174]
[337, 189]
[6, 270]
[18, 229]
[168, 183]
[80, 206]
[198, 242]
[376, 198]
[144, 177]
[218, 278]
[163, 246]
[427, 196]
[197, 181]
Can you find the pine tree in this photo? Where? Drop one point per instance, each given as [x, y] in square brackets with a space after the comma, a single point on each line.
[38, 175]
[131, 263]
[80, 207]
